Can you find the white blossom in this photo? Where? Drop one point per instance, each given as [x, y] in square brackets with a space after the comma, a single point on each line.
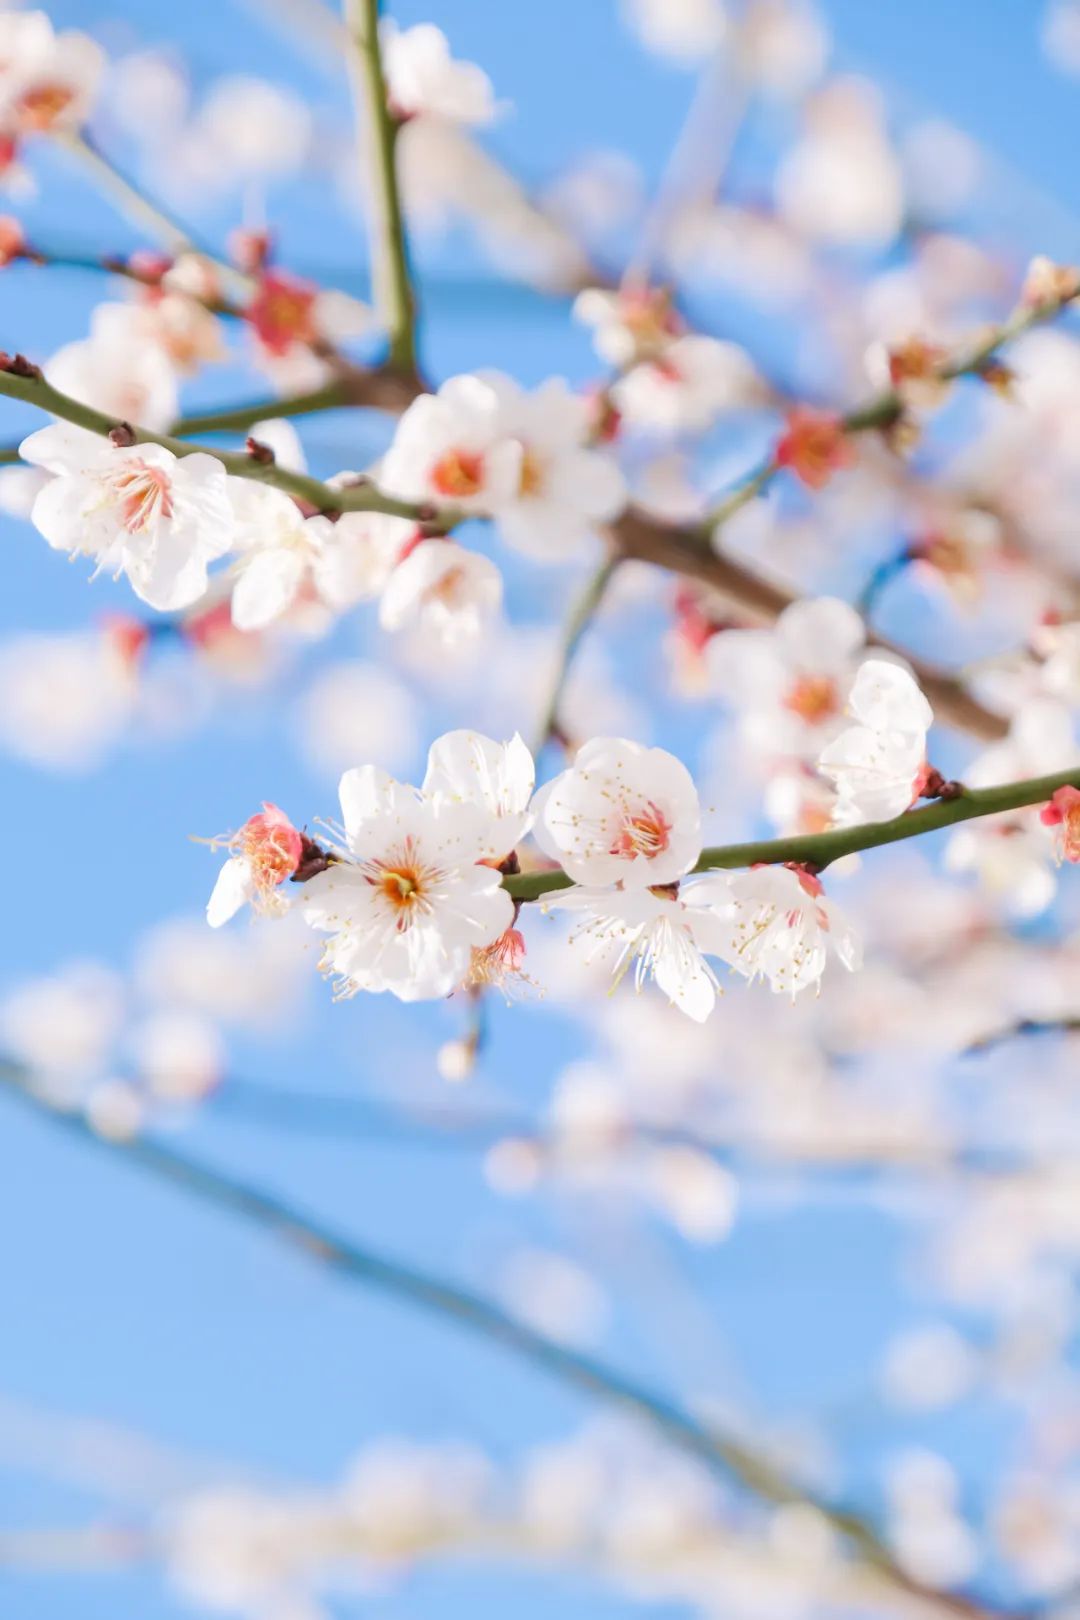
[496, 779]
[878, 765]
[782, 929]
[423, 79]
[138, 510]
[409, 901]
[451, 448]
[448, 591]
[687, 386]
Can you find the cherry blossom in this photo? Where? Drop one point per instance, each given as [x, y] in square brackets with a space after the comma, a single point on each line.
[138, 510]
[878, 765]
[782, 929]
[424, 80]
[411, 898]
[564, 488]
[451, 448]
[450, 592]
[267, 850]
[621, 813]
[665, 932]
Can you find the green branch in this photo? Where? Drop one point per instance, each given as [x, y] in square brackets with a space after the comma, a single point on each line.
[361, 497]
[394, 295]
[581, 615]
[724, 1453]
[819, 850]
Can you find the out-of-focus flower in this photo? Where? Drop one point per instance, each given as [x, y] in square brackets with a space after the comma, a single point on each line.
[1061, 35]
[450, 592]
[1063, 814]
[64, 700]
[782, 929]
[117, 371]
[65, 1024]
[564, 488]
[48, 81]
[452, 448]
[687, 386]
[354, 708]
[410, 899]
[621, 813]
[841, 182]
[266, 851]
[814, 445]
[137, 510]
[783, 47]
[684, 30]
[424, 80]
[179, 1056]
[633, 323]
[878, 765]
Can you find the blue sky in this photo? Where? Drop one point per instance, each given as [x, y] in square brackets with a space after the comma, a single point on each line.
[125, 1301]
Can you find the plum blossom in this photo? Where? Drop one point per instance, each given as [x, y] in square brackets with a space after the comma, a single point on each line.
[137, 510]
[790, 684]
[65, 701]
[449, 591]
[878, 766]
[666, 932]
[685, 387]
[782, 929]
[410, 898]
[496, 779]
[1063, 813]
[814, 445]
[633, 323]
[621, 813]
[293, 321]
[684, 30]
[564, 488]
[451, 448]
[117, 371]
[267, 850]
[48, 81]
[424, 80]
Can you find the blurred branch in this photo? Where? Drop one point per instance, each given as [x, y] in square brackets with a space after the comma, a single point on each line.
[819, 850]
[394, 295]
[726, 1454]
[582, 612]
[1022, 1029]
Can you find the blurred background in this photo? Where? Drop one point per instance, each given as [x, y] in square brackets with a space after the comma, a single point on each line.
[845, 1230]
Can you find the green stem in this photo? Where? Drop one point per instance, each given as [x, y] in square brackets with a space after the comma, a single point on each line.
[726, 1454]
[394, 295]
[819, 850]
[364, 497]
[580, 617]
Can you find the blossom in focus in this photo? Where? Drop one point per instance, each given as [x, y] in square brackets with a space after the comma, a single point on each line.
[1063, 814]
[411, 898]
[878, 765]
[496, 779]
[564, 488]
[621, 813]
[813, 446]
[451, 448]
[782, 929]
[137, 510]
[687, 386]
[664, 933]
[790, 684]
[424, 80]
[266, 850]
[443, 588]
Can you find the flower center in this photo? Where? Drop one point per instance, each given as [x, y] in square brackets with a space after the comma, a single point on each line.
[272, 847]
[532, 474]
[42, 105]
[144, 495]
[459, 474]
[645, 833]
[813, 698]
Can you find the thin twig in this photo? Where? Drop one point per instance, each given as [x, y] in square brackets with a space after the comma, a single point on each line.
[726, 1454]
[819, 850]
[581, 615]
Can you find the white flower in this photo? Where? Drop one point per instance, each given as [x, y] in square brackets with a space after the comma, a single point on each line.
[564, 488]
[684, 388]
[449, 591]
[64, 700]
[465, 768]
[781, 928]
[630, 324]
[841, 182]
[408, 904]
[139, 511]
[48, 81]
[685, 30]
[266, 851]
[790, 683]
[66, 1023]
[622, 812]
[665, 932]
[423, 79]
[451, 448]
[117, 371]
[878, 766]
